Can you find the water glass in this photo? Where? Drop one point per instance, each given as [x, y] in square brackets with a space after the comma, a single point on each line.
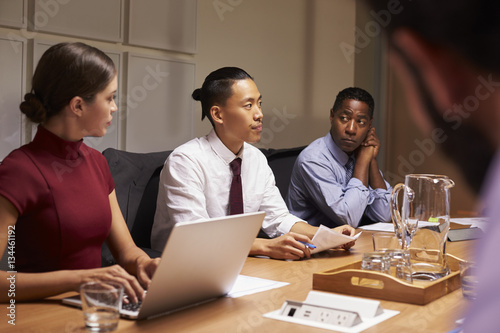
[376, 261]
[469, 279]
[401, 265]
[101, 305]
[385, 241]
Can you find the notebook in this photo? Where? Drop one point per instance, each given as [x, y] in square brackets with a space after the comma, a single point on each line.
[200, 262]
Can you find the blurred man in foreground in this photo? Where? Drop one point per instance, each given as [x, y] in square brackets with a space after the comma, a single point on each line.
[446, 55]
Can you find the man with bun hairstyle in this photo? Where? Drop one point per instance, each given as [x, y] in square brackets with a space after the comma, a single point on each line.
[196, 179]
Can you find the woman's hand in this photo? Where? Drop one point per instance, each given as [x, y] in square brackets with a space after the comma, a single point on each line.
[146, 268]
[117, 274]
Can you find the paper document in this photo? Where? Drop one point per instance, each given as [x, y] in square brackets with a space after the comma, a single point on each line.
[389, 227]
[480, 222]
[246, 285]
[380, 226]
[325, 238]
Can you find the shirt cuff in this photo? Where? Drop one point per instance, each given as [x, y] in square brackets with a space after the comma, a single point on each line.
[288, 223]
[356, 184]
[378, 193]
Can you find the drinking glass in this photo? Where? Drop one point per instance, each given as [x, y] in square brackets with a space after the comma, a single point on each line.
[401, 265]
[376, 261]
[101, 305]
[468, 279]
[385, 241]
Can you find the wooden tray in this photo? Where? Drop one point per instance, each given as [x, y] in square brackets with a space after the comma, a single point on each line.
[352, 280]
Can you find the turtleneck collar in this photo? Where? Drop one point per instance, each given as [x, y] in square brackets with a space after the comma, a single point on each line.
[44, 139]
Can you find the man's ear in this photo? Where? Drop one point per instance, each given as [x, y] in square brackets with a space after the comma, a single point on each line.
[215, 112]
[442, 70]
[76, 105]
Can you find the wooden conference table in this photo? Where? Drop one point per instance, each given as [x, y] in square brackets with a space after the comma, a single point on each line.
[244, 314]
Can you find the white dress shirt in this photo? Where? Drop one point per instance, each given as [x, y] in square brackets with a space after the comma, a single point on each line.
[195, 183]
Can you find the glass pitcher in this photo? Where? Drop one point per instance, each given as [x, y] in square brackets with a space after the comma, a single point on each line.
[424, 222]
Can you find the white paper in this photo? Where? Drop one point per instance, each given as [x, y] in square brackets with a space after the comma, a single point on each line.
[380, 226]
[389, 227]
[246, 285]
[326, 238]
[480, 222]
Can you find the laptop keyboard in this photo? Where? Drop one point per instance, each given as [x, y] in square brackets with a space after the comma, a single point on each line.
[131, 306]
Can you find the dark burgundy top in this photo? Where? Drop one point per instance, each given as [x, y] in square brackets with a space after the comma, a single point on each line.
[61, 191]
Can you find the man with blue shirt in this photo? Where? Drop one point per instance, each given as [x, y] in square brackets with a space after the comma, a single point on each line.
[336, 179]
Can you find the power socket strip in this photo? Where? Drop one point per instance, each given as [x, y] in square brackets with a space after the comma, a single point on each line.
[320, 314]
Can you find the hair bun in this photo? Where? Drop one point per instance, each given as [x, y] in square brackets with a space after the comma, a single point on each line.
[33, 108]
[196, 94]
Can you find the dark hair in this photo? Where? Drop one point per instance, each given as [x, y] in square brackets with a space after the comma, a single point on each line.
[470, 27]
[217, 88]
[64, 71]
[356, 94]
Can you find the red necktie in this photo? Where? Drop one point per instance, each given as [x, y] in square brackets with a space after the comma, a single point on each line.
[236, 192]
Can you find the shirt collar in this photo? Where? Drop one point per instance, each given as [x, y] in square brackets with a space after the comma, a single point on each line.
[335, 150]
[221, 150]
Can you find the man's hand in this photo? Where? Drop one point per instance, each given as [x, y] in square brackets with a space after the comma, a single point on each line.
[287, 246]
[371, 140]
[346, 230]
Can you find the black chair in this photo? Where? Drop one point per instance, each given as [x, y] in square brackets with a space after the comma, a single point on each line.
[281, 162]
[136, 177]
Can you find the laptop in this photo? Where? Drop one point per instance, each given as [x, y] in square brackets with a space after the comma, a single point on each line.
[201, 261]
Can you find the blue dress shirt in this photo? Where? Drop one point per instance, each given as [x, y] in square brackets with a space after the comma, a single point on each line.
[319, 192]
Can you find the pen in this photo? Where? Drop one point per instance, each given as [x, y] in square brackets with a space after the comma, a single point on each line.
[308, 245]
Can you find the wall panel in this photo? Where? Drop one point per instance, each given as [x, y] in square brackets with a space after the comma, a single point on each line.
[159, 104]
[163, 24]
[12, 89]
[13, 13]
[95, 19]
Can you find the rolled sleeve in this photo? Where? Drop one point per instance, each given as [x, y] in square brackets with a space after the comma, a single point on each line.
[379, 204]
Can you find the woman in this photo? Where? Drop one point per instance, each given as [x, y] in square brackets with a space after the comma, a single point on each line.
[57, 198]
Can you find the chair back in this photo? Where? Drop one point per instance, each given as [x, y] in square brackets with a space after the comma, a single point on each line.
[281, 162]
[136, 177]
